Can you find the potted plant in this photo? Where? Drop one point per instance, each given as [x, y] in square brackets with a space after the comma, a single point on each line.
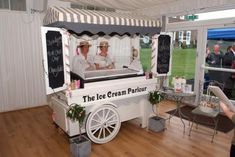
[155, 97]
[80, 146]
[156, 123]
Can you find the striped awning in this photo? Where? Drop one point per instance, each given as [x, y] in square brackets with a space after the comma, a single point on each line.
[92, 21]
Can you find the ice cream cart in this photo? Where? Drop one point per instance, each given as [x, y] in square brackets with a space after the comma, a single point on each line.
[109, 96]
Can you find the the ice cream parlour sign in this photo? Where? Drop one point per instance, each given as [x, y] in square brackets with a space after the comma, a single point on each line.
[111, 94]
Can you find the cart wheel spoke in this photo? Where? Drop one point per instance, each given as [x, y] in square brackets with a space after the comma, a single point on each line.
[96, 126]
[108, 130]
[93, 132]
[110, 117]
[111, 126]
[104, 133]
[96, 121]
[107, 114]
[100, 132]
[111, 123]
[100, 118]
[103, 113]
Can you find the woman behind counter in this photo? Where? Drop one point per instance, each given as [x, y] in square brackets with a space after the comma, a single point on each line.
[103, 60]
[83, 61]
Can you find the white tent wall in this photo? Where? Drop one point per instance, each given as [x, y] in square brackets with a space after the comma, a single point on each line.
[21, 81]
[21, 72]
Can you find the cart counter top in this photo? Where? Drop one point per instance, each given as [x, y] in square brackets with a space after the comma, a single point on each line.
[109, 73]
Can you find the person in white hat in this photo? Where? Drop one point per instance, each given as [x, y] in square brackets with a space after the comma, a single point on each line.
[83, 61]
[103, 60]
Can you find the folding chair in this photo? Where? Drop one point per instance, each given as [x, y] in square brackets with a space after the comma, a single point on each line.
[204, 110]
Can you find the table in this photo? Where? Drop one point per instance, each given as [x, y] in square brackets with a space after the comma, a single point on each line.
[178, 97]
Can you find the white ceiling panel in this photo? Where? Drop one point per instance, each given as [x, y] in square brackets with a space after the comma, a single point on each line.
[127, 5]
[157, 8]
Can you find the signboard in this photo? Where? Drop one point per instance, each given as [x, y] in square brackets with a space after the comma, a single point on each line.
[164, 54]
[191, 17]
[113, 94]
[53, 59]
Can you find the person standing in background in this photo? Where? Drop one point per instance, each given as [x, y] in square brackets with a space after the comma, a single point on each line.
[229, 56]
[214, 59]
[228, 62]
[207, 50]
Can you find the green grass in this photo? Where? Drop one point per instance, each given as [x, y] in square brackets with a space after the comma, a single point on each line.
[145, 58]
[183, 62]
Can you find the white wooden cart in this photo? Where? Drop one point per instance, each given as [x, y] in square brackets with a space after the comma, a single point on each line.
[109, 96]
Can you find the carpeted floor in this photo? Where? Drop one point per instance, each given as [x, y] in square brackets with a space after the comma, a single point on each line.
[224, 125]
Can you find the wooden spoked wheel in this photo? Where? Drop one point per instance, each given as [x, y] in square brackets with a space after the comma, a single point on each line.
[103, 124]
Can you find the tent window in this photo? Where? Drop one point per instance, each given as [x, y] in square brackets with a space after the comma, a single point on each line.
[184, 56]
[203, 16]
[145, 52]
[220, 60]
[18, 5]
[91, 7]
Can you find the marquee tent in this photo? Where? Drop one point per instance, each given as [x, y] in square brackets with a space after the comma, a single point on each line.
[222, 33]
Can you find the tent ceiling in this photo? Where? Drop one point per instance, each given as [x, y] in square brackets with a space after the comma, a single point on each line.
[157, 8]
[128, 5]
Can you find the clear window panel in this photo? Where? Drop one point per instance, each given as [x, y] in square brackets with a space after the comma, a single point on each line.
[4, 4]
[145, 52]
[184, 56]
[220, 54]
[19, 5]
[203, 16]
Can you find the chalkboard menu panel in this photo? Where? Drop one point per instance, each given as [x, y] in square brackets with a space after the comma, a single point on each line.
[163, 58]
[55, 59]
